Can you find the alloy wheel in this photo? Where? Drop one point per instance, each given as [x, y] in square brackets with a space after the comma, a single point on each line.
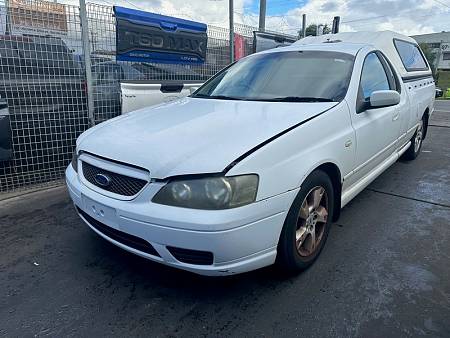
[418, 138]
[311, 221]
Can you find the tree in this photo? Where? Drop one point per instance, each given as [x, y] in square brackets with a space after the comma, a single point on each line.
[311, 30]
[429, 55]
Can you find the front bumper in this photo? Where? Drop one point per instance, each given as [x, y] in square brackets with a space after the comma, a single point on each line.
[240, 239]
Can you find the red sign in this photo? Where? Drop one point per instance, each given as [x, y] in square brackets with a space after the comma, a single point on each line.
[238, 46]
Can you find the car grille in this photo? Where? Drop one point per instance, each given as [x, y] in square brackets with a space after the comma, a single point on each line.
[119, 184]
[191, 256]
[119, 236]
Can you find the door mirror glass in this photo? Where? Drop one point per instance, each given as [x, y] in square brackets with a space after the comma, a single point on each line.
[384, 98]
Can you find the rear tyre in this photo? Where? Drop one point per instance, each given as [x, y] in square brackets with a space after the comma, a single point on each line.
[416, 143]
[307, 224]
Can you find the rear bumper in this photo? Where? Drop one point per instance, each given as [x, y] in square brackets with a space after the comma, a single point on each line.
[237, 244]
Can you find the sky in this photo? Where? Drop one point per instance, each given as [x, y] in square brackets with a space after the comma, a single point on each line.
[404, 16]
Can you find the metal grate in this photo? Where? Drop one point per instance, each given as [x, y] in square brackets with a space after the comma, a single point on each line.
[43, 79]
[117, 184]
[192, 256]
[120, 236]
[44, 88]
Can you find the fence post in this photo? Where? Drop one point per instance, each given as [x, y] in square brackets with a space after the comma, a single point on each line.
[304, 26]
[262, 15]
[231, 14]
[87, 60]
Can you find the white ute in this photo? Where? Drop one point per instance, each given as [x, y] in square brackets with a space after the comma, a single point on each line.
[253, 167]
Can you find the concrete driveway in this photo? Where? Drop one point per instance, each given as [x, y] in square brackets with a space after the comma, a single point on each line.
[385, 271]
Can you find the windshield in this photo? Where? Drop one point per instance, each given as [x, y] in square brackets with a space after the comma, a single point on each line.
[295, 76]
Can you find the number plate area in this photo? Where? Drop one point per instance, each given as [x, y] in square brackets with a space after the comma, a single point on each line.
[100, 212]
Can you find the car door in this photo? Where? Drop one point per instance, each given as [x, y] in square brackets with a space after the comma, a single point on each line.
[377, 129]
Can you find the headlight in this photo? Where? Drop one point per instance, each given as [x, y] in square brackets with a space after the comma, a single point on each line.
[75, 161]
[213, 193]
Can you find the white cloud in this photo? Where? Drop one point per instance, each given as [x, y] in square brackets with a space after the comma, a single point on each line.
[404, 16]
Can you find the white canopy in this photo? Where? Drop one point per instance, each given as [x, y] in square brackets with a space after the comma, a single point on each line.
[384, 41]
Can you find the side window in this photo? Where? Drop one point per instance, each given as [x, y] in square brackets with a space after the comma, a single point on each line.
[373, 76]
[410, 55]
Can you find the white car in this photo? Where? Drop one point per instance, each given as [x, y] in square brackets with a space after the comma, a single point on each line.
[254, 167]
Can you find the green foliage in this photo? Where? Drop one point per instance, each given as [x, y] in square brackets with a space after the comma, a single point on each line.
[447, 94]
[311, 30]
[430, 56]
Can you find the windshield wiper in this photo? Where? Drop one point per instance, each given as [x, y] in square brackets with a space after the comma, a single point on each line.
[300, 99]
[218, 97]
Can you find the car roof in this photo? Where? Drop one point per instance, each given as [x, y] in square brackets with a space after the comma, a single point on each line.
[378, 39]
[331, 46]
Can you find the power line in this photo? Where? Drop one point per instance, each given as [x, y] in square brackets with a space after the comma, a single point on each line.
[107, 2]
[388, 16]
[442, 3]
[365, 19]
[132, 4]
[396, 19]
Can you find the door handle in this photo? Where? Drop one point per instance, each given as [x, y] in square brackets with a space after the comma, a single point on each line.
[348, 143]
[395, 116]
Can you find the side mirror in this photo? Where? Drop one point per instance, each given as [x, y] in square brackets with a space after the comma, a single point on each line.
[384, 98]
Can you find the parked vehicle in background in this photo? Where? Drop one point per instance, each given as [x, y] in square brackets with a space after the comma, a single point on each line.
[253, 167]
[439, 92]
[108, 77]
[5, 132]
[266, 40]
[45, 91]
[140, 94]
[94, 59]
[26, 61]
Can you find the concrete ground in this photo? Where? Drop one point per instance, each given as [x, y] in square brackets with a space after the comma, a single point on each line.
[385, 271]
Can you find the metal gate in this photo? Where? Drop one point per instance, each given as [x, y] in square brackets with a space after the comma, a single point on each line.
[43, 79]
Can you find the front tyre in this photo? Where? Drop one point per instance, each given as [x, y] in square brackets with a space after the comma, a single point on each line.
[416, 143]
[307, 224]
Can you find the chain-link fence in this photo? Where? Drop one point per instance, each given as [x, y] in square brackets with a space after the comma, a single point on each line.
[44, 87]
[43, 79]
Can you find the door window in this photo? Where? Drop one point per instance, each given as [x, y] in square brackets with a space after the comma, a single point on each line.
[373, 76]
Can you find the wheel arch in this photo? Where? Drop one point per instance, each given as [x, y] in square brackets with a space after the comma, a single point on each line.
[333, 171]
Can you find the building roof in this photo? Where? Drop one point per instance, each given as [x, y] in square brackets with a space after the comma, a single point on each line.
[433, 37]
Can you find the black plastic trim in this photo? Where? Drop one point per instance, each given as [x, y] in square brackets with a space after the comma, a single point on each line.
[190, 256]
[113, 161]
[413, 78]
[164, 82]
[120, 236]
[387, 65]
[171, 88]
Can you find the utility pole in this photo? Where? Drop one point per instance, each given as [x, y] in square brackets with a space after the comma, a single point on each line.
[7, 19]
[335, 28]
[303, 25]
[319, 30]
[231, 14]
[87, 60]
[262, 15]
[438, 57]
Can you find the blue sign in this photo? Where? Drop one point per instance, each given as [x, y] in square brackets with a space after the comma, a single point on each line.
[148, 37]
